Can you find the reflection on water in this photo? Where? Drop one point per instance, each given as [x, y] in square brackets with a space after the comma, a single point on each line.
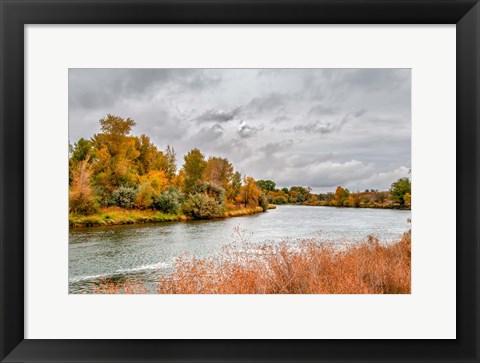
[142, 251]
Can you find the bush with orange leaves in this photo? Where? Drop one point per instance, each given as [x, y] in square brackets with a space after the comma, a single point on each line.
[302, 267]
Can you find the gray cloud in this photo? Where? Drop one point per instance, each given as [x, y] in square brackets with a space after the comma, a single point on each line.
[99, 87]
[274, 147]
[316, 127]
[319, 127]
[218, 115]
[246, 131]
[271, 101]
[319, 110]
[278, 119]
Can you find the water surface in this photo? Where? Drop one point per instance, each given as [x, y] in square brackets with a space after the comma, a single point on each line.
[141, 251]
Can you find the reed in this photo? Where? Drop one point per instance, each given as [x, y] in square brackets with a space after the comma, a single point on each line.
[293, 267]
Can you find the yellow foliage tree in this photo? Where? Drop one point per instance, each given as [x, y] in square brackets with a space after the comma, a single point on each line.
[218, 171]
[408, 199]
[156, 179]
[81, 197]
[250, 193]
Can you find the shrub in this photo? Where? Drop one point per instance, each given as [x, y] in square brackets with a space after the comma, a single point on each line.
[167, 201]
[202, 206]
[213, 191]
[263, 202]
[145, 196]
[124, 197]
[82, 203]
[279, 200]
[103, 198]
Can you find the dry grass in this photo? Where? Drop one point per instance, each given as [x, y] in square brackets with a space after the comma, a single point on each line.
[115, 215]
[126, 287]
[242, 211]
[304, 267]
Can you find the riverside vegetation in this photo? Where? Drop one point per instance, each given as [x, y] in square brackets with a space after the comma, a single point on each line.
[306, 267]
[117, 178]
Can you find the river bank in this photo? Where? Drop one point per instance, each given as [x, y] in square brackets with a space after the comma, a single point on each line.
[118, 216]
[361, 206]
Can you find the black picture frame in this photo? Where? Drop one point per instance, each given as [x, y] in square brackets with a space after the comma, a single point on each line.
[16, 13]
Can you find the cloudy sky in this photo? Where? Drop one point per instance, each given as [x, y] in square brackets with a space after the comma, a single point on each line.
[312, 127]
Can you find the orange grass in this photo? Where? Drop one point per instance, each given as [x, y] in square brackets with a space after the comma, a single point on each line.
[301, 267]
[131, 286]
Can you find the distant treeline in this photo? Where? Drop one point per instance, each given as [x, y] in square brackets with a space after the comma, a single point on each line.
[399, 196]
[116, 169]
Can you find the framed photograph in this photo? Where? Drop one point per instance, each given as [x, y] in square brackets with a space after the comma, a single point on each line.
[240, 181]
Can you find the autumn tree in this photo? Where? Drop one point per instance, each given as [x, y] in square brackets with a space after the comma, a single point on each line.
[299, 194]
[116, 126]
[249, 192]
[352, 201]
[194, 169]
[233, 188]
[407, 199]
[218, 171]
[178, 181]
[81, 197]
[380, 197]
[80, 151]
[149, 158]
[115, 153]
[156, 179]
[341, 196]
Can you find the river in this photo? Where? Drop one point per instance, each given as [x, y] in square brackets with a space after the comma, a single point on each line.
[142, 251]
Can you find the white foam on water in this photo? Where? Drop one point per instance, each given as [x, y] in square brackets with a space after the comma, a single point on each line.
[155, 266]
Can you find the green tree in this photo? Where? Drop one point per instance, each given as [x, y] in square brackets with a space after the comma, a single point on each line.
[399, 189]
[170, 166]
[149, 158]
[194, 169]
[266, 185]
[233, 188]
[80, 150]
